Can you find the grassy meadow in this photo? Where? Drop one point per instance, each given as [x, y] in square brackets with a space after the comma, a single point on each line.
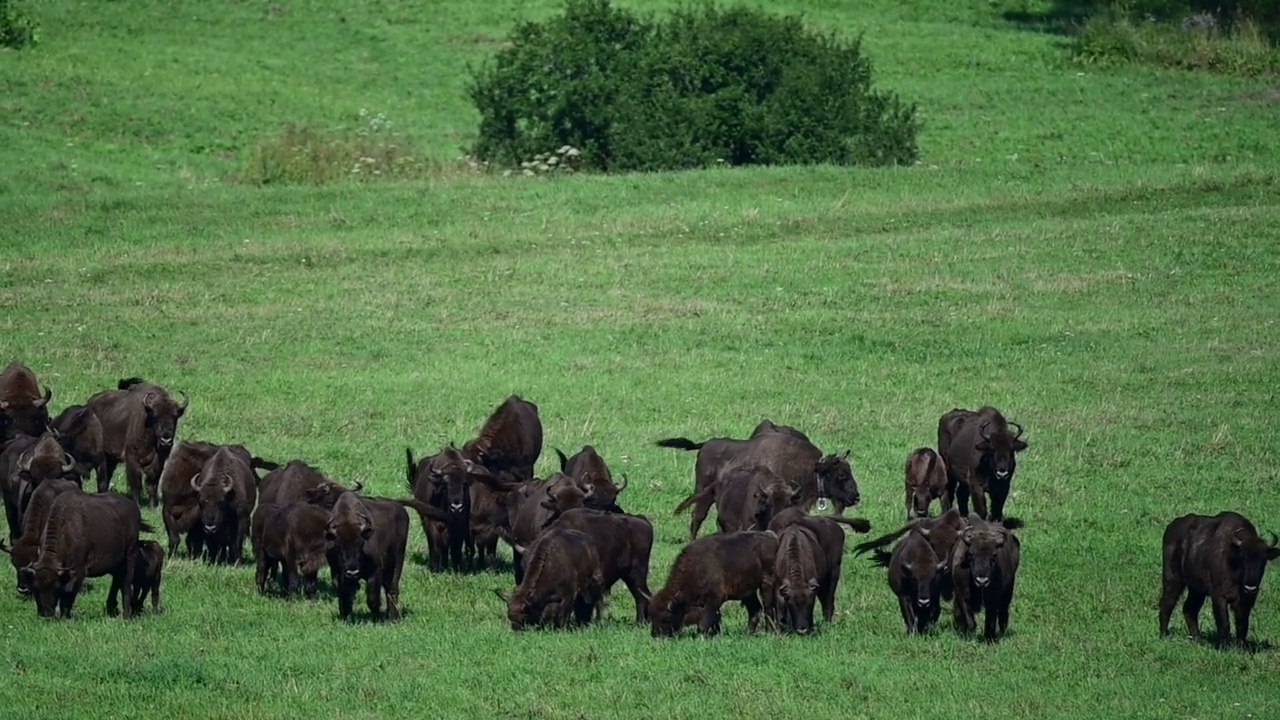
[1097, 253]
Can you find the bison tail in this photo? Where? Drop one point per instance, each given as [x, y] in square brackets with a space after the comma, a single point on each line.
[680, 444]
[258, 463]
[564, 461]
[129, 382]
[881, 541]
[1012, 523]
[684, 505]
[882, 558]
[861, 525]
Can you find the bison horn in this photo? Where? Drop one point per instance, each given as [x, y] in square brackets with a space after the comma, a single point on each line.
[41, 402]
[982, 431]
[1275, 541]
[549, 492]
[185, 401]
[149, 399]
[623, 486]
[1019, 433]
[357, 486]
[924, 531]
[24, 462]
[195, 481]
[844, 455]
[71, 463]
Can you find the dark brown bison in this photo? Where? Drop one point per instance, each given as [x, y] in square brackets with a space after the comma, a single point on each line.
[711, 571]
[562, 580]
[984, 566]
[296, 481]
[180, 501]
[1219, 557]
[227, 491]
[926, 481]
[622, 543]
[800, 569]
[533, 505]
[85, 536]
[27, 547]
[799, 597]
[25, 463]
[510, 440]
[139, 421]
[80, 432]
[942, 533]
[147, 571]
[980, 453]
[768, 426]
[787, 454]
[289, 542]
[367, 538]
[586, 467]
[745, 499]
[23, 409]
[915, 576]
[444, 481]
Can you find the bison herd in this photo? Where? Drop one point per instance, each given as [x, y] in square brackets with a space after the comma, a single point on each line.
[571, 540]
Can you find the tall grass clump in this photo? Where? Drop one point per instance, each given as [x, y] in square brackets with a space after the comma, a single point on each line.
[705, 85]
[1198, 42]
[17, 28]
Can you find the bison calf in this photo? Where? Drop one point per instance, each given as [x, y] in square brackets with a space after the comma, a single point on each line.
[711, 571]
[148, 567]
[623, 543]
[984, 566]
[561, 579]
[915, 576]
[926, 481]
[290, 537]
[819, 575]
[1220, 558]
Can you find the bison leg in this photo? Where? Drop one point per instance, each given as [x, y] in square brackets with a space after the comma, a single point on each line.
[753, 606]
[517, 561]
[979, 502]
[709, 623]
[1003, 612]
[346, 596]
[827, 596]
[290, 579]
[373, 595]
[126, 583]
[15, 520]
[155, 597]
[1221, 621]
[962, 498]
[393, 585]
[1168, 599]
[991, 617]
[310, 585]
[113, 600]
[106, 469]
[639, 588]
[699, 514]
[1241, 612]
[152, 480]
[261, 570]
[133, 477]
[963, 615]
[907, 607]
[1191, 612]
[999, 493]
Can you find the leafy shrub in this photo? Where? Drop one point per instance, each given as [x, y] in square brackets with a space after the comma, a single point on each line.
[704, 86]
[17, 28]
[304, 155]
[1199, 42]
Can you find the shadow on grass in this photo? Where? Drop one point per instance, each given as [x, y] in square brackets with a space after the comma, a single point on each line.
[500, 566]
[1250, 647]
[1060, 19]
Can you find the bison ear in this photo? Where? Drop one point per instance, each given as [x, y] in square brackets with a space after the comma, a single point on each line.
[813, 584]
[1019, 445]
[1273, 553]
[967, 536]
[227, 486]
[366, 531]
[64, 573]
[501, 597]
[329, 533]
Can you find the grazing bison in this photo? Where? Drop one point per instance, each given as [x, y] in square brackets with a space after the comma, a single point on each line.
[227, 490]
[23, 410]
[622, 543]
[180, 507]
[782, 450]
[534, 504]
[915, 576]
[139, 421]
[80, 432]
[147, 571]
[292, 538]
[800, 571]
[1219, 557]
[25, 463]
[926, 481]
[711, 571]
[86, 535]
[586, 467]
[984, 566]
[444, 481]
[745, 499]
[367, 538]
[510, 440]
[830, 538]
[980, 454]
[27, 547]
[562, 580]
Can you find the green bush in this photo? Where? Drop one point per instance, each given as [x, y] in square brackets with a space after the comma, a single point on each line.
[17, 28]
[702, 87]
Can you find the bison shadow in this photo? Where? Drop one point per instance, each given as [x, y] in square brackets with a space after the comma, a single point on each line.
[1250, 647]
[364, 617]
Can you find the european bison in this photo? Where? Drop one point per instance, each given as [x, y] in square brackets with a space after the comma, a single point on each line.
[562, 579]
[86, 535]
[980, 454]
[711, 571]
[25, 463]
[23, 410]
[787, 454]
[227, 490]
[800, 569]
[147, 572]
[290, 538]
[444, 481]
[745, 499]
[827, 562]
[586, 467]
[926, 481]
[180, 501]
[367, 537]
[27, 547]
[533, 505]
[510, 440]
[915, 576]
[984, 566]
[1219, 557]
[139, 421]
[622, 543]
[296, 481]
[80, 432]
[942, 533]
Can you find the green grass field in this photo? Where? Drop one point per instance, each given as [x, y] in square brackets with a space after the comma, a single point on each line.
[1097, 254]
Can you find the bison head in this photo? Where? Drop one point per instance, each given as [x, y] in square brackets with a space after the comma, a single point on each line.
[215, 494]
[564, 494]
[836, 481]
[28, 416]
[163, 415]
[981, 549]
[769, 500]
[921, 576]
[796, 596]
[349, 527]
[1250, 555]
[666, 613]
[326, 494]
[998, 447]
[50, 585]
[451, 475]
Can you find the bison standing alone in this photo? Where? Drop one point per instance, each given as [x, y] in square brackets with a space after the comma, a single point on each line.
[139, 421]
[980, 454]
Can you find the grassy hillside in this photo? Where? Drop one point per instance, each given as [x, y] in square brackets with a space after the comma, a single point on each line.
[1095, 253]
